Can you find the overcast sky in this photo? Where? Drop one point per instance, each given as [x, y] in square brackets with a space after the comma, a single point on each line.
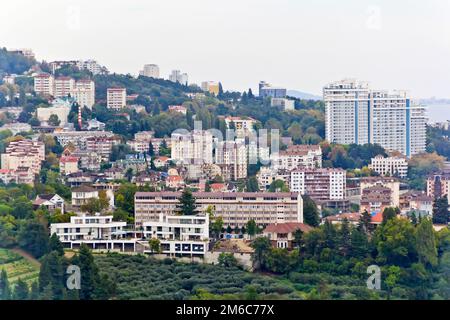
[300, 44]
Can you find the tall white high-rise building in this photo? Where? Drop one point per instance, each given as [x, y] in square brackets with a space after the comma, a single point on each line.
[44, 84]
[116, 98]
[195, 147]
[150, 70]
[84, 93]
[231, 156]
[63, 86]
[177, 76]
[354, 113]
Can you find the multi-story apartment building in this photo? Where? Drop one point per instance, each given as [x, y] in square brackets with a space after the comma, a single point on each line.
[63, 87]
[179, 235]
[321, 184]
[375, 199]
[257, 152]
[195, 147]
[56, 65]
[44, 84]
[150, 70]
[177, 76]
[235, 208]
[418, 202]
[116, 98]
[144, 136]
[231, 156]
[98, 232]
[392, 166]
[84, 93]
[211, 86]
[79, 138]
[22, 175]
[68, 165]
[139, 145]
[82, 195]
[92, 66]
[88, 160]
[267, 175]
[244, 125]
[438, 185]
[24, 154]
[101, 145]
[267, 90]
[309, 156]
[286, 104]
[354, 113]
[389, 182]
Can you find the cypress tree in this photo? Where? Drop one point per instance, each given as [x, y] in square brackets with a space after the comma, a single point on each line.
[440, 210]
[21, 290]
[5, 290]
[187, 206]
[89, 273]
[56, 245]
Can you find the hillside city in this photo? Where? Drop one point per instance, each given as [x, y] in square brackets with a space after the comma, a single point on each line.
[229, 195]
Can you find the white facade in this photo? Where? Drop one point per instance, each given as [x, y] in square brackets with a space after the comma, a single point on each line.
[61, 111]
[309, 156]
[231, 156]
[84, 93]
[79, 138]
[319, 184]
[139, 145]
[24, 154]
[177, 76]
[88, 228]
[63, 86]
[82, 195]
[183, 235]
[393, 166]
[44, 84]
[150, 70]
[286, 104]
[195, 147]
[354, 113]
[90, 65]
[116, 98]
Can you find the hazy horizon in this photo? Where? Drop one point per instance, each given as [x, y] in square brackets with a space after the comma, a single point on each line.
[302, 46]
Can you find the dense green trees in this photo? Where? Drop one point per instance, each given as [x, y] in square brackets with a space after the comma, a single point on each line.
[252, 184]
[33, 237]
[440, 210]
[278, 186]
[310, 212]
[187, 205]
[407, 254]
[349, 156]
[13, 63]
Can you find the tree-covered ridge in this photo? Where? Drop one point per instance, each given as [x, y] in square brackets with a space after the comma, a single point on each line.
[13, 63]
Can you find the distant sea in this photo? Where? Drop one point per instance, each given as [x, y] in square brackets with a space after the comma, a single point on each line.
[438, 112]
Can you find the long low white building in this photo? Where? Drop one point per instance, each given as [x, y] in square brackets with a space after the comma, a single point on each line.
[98, 232]
[179, 235]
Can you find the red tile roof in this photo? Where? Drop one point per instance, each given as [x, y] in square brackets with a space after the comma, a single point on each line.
[288, 227]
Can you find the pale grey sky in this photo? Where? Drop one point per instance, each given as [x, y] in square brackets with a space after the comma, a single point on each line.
[300, 44]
